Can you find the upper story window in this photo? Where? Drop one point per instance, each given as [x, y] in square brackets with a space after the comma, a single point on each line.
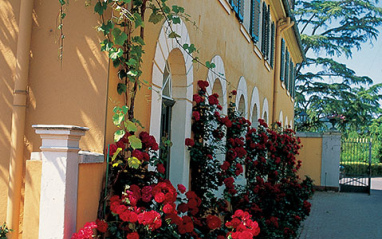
[265, 30]
[282, 60]
[238, 7]
[255, 20]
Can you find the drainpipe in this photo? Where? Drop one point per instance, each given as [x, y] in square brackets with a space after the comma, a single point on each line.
[282, 25]
[20, 94]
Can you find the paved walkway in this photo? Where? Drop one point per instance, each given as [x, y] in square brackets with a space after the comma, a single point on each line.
[345, 215]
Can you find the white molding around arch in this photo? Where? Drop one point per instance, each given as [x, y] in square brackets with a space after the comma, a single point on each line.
[255, 100]
[265, 110]
[218, 73]
[286, 122]
[179, 169]
[281, 120]
[242, 91]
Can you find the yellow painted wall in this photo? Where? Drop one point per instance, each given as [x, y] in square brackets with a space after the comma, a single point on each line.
[90, 176]
[310, 155]
[9, 16]
[32, 199]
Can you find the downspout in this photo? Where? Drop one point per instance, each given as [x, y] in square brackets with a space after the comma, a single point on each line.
[282, 25]
[20, 94]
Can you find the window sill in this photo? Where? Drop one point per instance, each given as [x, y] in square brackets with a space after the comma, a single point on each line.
[245, 33]
[266, 64]
[257, 52]
[226, 6]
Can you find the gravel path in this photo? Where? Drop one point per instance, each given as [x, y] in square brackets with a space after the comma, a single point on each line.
[345, 215]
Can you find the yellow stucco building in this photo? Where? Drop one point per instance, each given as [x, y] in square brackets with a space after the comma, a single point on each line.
[254, 44]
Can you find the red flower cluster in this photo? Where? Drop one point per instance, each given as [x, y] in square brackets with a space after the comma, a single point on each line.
[86, 232]
[189, 142]
[148, 141]
[203, 85]
[213, 222]
[152, 219]
[213, 99]
[242, 225]
[101, 225]
[164, 193]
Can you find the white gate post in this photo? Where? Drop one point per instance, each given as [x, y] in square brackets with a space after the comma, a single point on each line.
[59, 179]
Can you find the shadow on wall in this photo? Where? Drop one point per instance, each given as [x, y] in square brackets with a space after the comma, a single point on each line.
[8, 40]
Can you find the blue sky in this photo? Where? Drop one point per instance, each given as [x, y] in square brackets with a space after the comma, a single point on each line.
[367, 61]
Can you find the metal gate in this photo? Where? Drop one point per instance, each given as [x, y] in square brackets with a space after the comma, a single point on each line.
[355, 165]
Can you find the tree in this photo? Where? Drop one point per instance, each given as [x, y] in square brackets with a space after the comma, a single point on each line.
[333, 28]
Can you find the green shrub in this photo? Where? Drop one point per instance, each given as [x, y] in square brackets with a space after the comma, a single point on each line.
[361, 168]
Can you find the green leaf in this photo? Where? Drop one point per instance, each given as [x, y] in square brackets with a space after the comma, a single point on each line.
[138, 20]
[176, 20]
[173, 35]
[130, 126]
[122, 74]
[100, 7]
[106, 45]
[119, 36]
[118, 118]
[115, 53]
[118, 135]
[139, 40]
[135, 143]
[134, 162]
[121, 88]
[126, 1]
[210, 65]
[131, 62]
[105, 28]
[116, 154]
[125, 109]
[155, 18]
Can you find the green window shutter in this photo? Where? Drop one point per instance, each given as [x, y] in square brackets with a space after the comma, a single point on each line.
[255, 19]
[235, 5]
[263, 28]
[240, 12]
[272, 60]
[286, 69]
[290, 76]
[282, 59]
[267, 35]
[294, 82]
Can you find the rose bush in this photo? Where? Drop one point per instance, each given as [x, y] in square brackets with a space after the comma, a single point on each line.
[141, 203]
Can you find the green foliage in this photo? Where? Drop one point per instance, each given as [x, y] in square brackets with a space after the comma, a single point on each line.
[4, 230]
[334, 28]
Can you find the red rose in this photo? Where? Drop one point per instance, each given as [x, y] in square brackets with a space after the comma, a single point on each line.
[189, 142]
[138, 154]
[197, 98]
[234, 92]
[112, 149]
[225, 165]
[213, 99]
[133, 235]
[196, 115]
[160, 168]
[101, 225]
[168, 208]
[213, 222]
[159, 197]
[181, 188]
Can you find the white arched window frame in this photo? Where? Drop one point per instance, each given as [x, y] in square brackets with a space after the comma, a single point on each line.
[182, 94]
[242, 91]
[218, 74]
[255, 104]
[265, 114]
[287, 125]
[281, 120]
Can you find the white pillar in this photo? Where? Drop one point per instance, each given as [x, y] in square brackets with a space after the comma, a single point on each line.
[331, 154]
[59, 179]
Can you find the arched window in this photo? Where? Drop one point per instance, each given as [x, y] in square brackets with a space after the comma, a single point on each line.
[167, 104]
[255, 119]
[241, 107]
[171, 100]
[255, 108]
[265, 110]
